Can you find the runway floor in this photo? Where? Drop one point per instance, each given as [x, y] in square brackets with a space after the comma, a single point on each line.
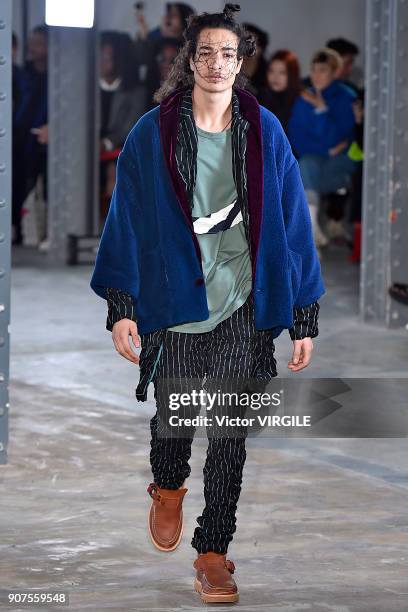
[321, 524]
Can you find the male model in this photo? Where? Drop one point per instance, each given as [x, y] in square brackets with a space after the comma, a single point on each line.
[207, 254]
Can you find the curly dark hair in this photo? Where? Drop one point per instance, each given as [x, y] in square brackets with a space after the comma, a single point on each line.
[180, 74]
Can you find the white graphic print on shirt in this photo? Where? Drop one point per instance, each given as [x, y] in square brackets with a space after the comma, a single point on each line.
[218, 221]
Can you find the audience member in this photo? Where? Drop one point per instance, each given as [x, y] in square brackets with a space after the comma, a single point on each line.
[165, 53]
[255, 67]
[149, 42]
[348, 51]
[123, 101]
[30, 126]
[173, 22]
[283, 85]
[321, 130]
[123, 97]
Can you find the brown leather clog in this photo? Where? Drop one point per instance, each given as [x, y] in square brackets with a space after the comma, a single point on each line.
[213, 579]
[165, 520]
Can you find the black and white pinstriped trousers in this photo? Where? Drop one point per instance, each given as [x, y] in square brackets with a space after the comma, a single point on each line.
[226, 356]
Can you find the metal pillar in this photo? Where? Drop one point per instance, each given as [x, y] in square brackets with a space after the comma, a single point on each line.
[71, 151]
[5, 217]
[385, 184]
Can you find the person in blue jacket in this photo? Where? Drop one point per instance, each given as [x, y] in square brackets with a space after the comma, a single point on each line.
[206, 256]
[321, 129]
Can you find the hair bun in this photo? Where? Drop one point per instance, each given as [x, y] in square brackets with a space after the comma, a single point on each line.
[230, 9]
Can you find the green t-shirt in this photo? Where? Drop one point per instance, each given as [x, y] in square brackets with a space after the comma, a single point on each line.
[220, 232]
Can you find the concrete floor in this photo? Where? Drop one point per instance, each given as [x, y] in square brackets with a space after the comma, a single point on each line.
[322, 523]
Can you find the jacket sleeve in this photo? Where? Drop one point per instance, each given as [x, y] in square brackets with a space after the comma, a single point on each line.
[305, 322]
[120, 306]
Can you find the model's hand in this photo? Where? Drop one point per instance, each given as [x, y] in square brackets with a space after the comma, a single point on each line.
[120, 335]
[302, 354]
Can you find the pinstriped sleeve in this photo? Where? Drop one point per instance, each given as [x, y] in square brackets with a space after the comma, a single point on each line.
[305, 322]
[120, 306]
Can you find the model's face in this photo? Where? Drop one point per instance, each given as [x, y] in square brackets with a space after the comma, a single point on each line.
[215, 64]
[321, 75]
[277, 76]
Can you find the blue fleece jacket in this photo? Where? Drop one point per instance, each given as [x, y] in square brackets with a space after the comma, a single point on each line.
[147, 247]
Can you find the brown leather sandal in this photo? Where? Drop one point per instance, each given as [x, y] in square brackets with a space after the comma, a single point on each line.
[213, 579]
[165, 520]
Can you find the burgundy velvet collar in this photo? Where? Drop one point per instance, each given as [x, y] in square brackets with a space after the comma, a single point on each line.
[249, 109]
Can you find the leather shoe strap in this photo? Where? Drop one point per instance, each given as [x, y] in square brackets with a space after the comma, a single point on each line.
[215, 561]
[157, 494]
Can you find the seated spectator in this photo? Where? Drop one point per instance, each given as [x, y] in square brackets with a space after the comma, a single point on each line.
[19, 93]
[283, 85]
[173, 24]
[122, 96]
[335, 203]
[19, 80]
[30, 130]
[123, 101]
[158, 71]
[321, 129]
[255, 67]
[356, 152]
[348, 52]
